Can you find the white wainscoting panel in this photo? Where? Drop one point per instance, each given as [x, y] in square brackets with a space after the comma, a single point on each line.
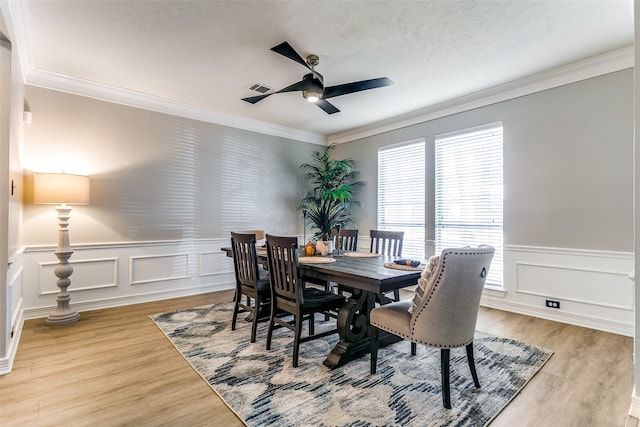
[114, 274]
[579, 285]
[593, 287]
[87, 274]
[158, 268]
[213, 263]
[14, 311]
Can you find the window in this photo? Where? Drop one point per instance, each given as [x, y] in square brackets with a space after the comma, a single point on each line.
[469, 192]
[401, 194]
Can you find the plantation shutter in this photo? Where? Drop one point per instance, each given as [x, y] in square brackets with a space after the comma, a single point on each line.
[469, 192]
[401, 194]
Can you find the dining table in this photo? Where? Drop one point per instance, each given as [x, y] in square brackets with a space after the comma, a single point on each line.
[367, 280]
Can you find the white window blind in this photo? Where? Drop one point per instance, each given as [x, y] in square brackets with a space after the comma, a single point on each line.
[469, 192]
[401, 194]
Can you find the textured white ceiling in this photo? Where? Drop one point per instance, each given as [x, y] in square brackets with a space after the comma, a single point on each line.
[208, 53]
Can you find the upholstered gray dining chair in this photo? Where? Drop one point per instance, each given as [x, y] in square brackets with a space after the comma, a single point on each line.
[289, 295]
[443, 312]
[251, 281]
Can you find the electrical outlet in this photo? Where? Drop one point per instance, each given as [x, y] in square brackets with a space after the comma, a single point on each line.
[553, 304]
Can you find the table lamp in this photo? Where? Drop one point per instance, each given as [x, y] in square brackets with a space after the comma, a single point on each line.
[62, 189]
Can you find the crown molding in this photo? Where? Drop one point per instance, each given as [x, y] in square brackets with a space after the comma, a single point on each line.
[592, 67]
[18, 18]
[77, 86]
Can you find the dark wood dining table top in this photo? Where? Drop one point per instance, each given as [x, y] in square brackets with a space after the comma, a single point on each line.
[368, 274]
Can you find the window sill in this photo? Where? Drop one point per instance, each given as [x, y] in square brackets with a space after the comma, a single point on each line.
[494, 291]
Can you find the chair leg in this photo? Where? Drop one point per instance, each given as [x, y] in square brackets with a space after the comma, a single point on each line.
[296, 339]
[375, 335]
[236, 309]
[254, 323]
[413, 349]
[327, 288]
[472, 364]
[312, 326]
[444, 372]
[271, 322]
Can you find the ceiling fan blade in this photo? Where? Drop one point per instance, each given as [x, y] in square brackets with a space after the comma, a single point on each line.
[254, 99]
[285, 49]
[344, 89]
[328, 107]
[292, 88]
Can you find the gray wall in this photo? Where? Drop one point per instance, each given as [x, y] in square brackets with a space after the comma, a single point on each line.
[568, 164]
[156, 176]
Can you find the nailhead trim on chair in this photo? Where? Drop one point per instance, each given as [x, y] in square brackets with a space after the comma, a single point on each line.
[428, 298]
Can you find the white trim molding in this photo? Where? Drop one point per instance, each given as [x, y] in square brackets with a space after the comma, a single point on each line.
[6, 363]
[118, 95]
[19, 20]
[592, 286]
[634, 409]
[14, 310]
[113, 274]
[118, 301]
[610, 62]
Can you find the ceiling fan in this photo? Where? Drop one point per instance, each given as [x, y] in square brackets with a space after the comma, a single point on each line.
[312, 84]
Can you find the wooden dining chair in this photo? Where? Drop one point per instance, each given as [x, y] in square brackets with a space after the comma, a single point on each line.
[347, 240]
[251, 281]
[444, 311]
[387, 242]
[260, 235]
[289, 295]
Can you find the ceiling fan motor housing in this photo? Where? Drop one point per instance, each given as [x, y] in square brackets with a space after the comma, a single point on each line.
[313, 60]
[313, 88]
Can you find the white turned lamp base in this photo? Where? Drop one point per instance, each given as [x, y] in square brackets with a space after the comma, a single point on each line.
[59, 317]
[63, 314]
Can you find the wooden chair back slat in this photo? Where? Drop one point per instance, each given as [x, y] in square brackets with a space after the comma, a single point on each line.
[386, 242]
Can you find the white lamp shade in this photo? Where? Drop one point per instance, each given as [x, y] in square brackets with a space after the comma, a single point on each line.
[60, 188]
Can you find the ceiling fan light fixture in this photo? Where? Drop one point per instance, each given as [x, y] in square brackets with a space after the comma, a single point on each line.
[312, 95]
[313, 91]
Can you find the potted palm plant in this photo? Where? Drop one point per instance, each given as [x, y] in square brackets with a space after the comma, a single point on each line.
[328, 203]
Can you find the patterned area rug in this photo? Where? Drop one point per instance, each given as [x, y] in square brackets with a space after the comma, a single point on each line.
[263, 389]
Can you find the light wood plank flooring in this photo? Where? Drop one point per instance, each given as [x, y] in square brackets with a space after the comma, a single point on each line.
[115, 368]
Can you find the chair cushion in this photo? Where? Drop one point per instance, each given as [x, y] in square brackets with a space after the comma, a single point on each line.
[262, 284]
[425, 283]
[394, 318]
[316, 298]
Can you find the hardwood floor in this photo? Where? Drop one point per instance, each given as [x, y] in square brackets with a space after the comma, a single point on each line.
[115, 368]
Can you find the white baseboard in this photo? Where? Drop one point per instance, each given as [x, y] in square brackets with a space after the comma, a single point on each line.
[6, 363]
[40, 312]
[620, 328]
[591, 287]
[634, 409]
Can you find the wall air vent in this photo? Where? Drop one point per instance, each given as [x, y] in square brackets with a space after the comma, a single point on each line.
[260, 88]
